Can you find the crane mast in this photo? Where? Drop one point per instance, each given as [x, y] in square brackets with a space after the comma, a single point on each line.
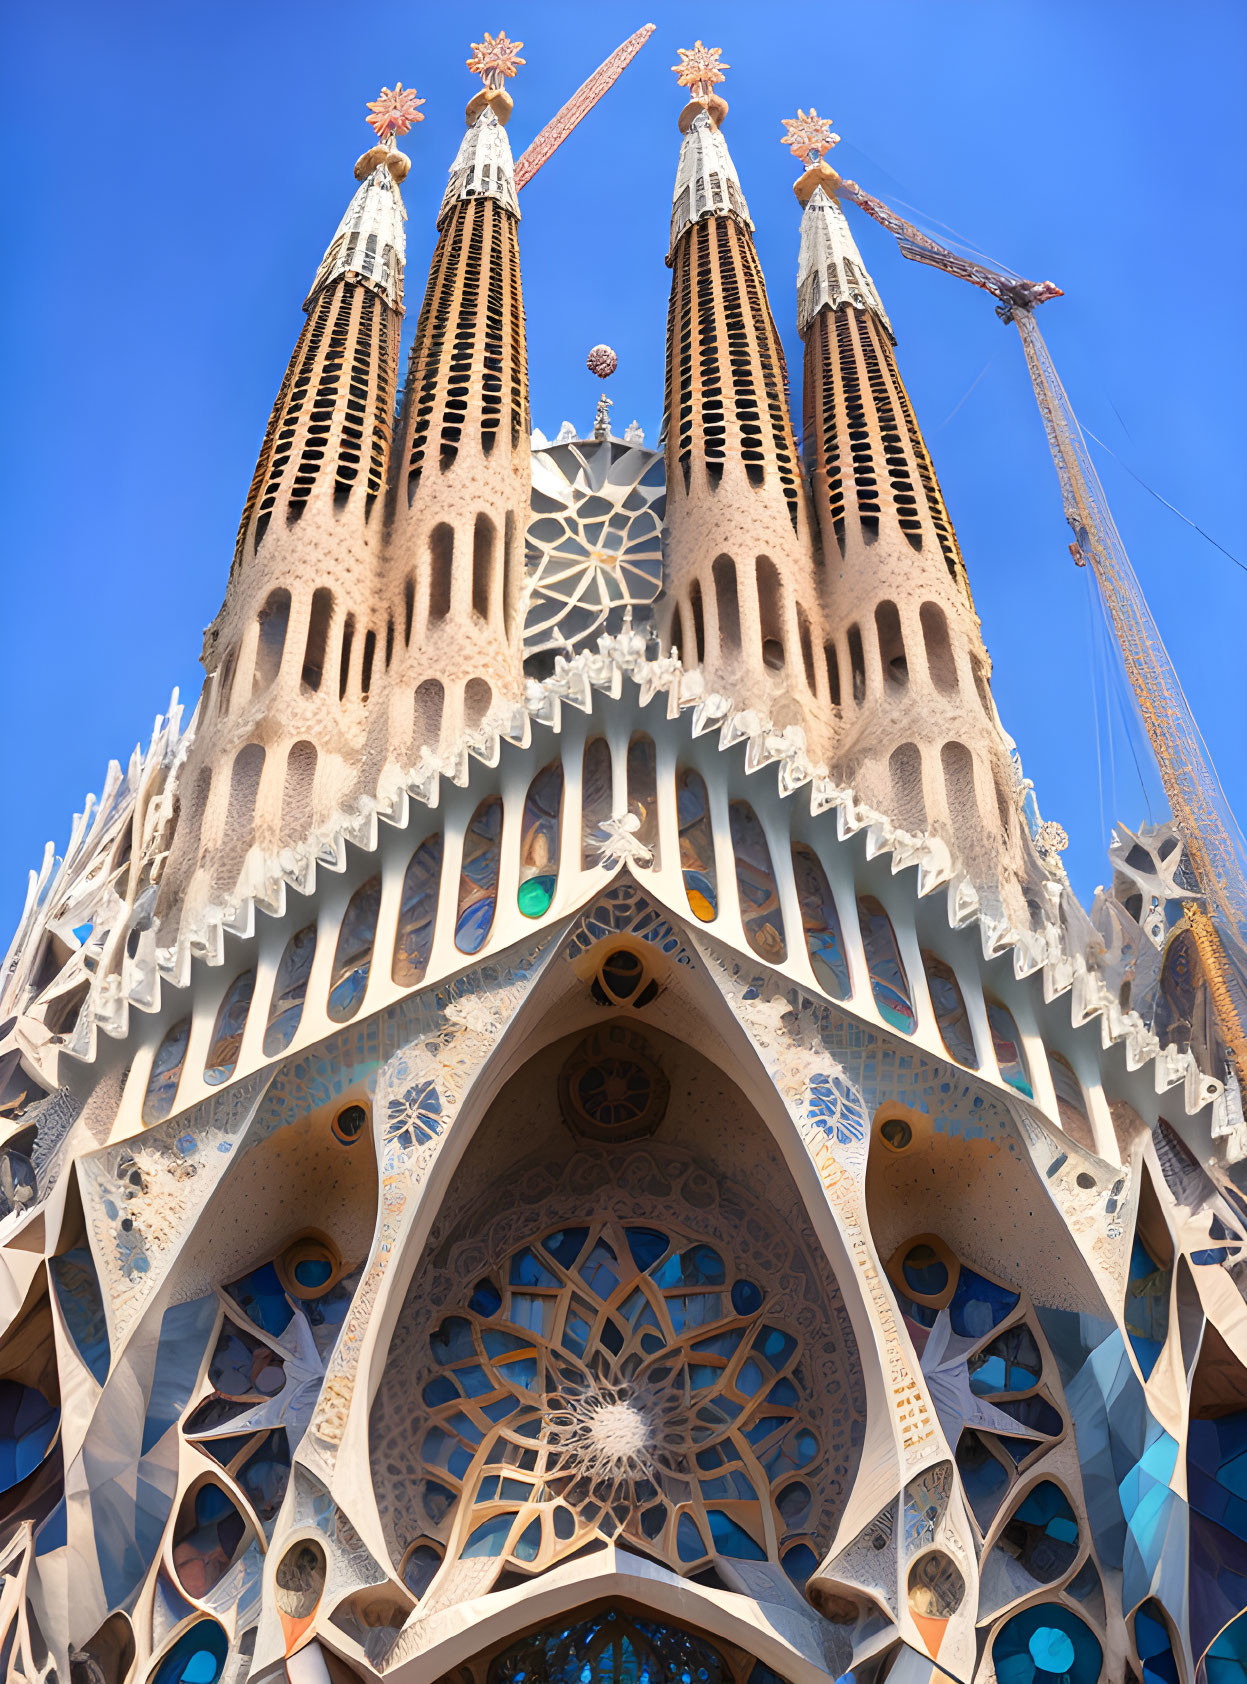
[1214, 844]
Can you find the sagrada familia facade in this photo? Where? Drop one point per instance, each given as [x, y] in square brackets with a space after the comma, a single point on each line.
[568, 1125]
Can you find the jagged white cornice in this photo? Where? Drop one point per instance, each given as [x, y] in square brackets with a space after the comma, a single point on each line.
[706, 182]
[830, 271]
[483, 168]
[370, 244]
[578, 683]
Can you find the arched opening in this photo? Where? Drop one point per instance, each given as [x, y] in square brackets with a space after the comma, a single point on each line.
[482, 566]
[959, 794]
[244, 785]
[370, 655]
[833, 673]
[892, 657]
[477, 697]
[727, 604]
[441, 571]
[698, 652]
[552, 1399]
[807, 647]
[274, 618]
[344, 664]
[614, 1643]
[427, 713]
[770, 614]
[857, 663]
[940, 662]
[409, 608]
[297, 807]
[909, 806]
[317, 638]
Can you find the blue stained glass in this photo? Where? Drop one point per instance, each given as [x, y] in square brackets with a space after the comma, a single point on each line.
[755, 885]
[528, 1270]
[1007, 1044]
[749, 1379]
[566, 1246]
[696, 845]
[599, 1271]
[262, 1297]
[746, 1298]
[529, 1540]
[888, 981]
[1046, 1644]
[1226, 1660]
[166, 1072]
[478, 883]
[1033, 1412]
[688, 1540]
[440, 1389]
[978, 1305]
[352, 960]
[1151, 1639]
[486, 1299]
[799, 1563]
[196, 1658]
[722, 1345]
[775, 1346]
[824, 939]
[539, 841]
[950, 1011]
[290, 991]
[982, 1476]
[533, 1313]
[924, 1271]
[731, 1539]
[453, 1340]
[647, 1245]
[28, 1424]
[78, 1293]
[489, 1537]
[417, 913]
[312, 1272]
[227, 1032]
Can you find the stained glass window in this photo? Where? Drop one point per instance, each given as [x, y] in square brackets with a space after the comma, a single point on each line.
[162, 1084]
[290, 990]
[823, 938]
[888, 981]
[539, 841]
[1046, 1644]
[1040, 1537]
[643, 793]
[755, 884]
[478, 881]
[1071, 1106]
[227, 1033]
[209, 1534]
[597, 799]
[611, 1647]
[353, 959]
[616, 1380]
[950, 1011]
[196, 1658]
[1007, 1045]
[417, 912]
[697, 845]
[28, 1424]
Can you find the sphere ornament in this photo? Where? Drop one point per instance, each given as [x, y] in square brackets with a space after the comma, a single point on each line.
[602, 361]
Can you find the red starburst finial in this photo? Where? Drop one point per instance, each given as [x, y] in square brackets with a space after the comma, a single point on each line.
[699, 69]
[394, 111]
[809, 136]
[495, 57]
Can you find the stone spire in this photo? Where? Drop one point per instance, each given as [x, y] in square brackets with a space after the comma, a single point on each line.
[740, 555]
[919, 736]
[280, 726]
[460, 486]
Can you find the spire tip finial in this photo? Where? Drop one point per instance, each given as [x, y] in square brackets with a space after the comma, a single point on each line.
[699, 69]
[494, 58]
[808, 136]
[394, 111]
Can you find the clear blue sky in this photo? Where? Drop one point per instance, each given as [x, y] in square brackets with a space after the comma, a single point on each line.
[175, 172]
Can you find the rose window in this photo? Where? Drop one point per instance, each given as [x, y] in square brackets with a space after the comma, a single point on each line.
[594, 544]
[619, 1381]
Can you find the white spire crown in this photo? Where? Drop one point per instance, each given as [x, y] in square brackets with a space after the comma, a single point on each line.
[483, 168]
[830, 271]
[706, 182]
[370, 244]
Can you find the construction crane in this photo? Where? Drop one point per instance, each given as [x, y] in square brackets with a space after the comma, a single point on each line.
[1214, 844]
[579, 105]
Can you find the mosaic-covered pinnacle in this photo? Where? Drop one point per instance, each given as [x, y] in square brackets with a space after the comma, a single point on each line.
[808, 136]
[494, 58]
[394, 111]
[699, 69]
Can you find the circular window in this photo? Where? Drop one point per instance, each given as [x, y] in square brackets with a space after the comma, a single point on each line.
[611, 1089]
[309, 1267]
[623, 980]
[301, 1579]
[349, 1124]
[896, 1133]
[925, 1271]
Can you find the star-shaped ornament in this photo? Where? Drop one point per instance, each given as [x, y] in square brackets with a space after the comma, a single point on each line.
[699, 69]
[809, 136]
[394, 111]
[495, 57]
